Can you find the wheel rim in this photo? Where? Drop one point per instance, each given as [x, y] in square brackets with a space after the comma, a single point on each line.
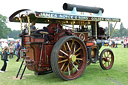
[72, 59]
[107, 59]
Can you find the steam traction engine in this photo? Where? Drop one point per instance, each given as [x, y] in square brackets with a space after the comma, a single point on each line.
[67, 44]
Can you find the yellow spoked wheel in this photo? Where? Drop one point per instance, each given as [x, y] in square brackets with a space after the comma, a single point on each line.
[69, 58]
[106, 59]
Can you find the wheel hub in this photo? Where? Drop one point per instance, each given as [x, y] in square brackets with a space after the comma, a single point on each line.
[72, 58]
[108, 59]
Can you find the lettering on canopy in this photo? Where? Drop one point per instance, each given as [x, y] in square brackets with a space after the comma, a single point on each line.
[72, 17]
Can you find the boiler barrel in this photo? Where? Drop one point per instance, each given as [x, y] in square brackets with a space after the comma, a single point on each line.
[79, 8]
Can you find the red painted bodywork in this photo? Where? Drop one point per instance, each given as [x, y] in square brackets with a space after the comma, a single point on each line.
[37, 60]
[39, 52]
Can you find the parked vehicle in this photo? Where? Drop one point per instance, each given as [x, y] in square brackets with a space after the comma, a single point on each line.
[66, 52]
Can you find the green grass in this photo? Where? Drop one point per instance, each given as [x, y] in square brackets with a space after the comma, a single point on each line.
[93, 74]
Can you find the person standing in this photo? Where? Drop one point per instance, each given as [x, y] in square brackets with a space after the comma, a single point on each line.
[125, 42]
[122, 43]
[17, 51]
[110, 43]
[116, 44]
[11, 50]
[4, 44]
[4, 57]
[32, 27]
[25, 31]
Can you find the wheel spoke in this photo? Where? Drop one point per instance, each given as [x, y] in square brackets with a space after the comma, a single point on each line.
[68, 46]
[65, 48]
[75, 66]
[62, 67]
[64, 53]
[74, 49]
[110, 59]
[72, 44]
[78, 49]
[78, 54]
[108, 63]
[108, 54]
[71, 69]
[76, 62]
[68, 70]
[104, 55]
[61, 56]
[104, 64]
[79, 59]
[63, 61]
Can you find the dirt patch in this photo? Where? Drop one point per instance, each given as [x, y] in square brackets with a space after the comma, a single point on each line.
[14, 77]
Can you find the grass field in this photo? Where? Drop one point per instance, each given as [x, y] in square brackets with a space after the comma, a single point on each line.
[93, 74]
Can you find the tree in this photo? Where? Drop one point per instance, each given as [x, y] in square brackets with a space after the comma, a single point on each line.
[4, 30]
[122, 30]
[14, 34]
[116, 33]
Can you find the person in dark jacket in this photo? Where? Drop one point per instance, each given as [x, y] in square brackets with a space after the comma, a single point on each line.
[4, 57]
[18, 51]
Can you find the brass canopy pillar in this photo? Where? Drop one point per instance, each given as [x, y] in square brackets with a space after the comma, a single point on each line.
[96, 29]
[21, 24]
[29, 25]
[113, 28]
[73, 25]
[109, 29]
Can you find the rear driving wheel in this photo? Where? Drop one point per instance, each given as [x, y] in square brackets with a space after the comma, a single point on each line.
[69, 58]
[106, 59]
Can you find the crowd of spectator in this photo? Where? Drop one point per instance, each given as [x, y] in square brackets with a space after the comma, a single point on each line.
[124, 43]
[9, 48]
[12, 48]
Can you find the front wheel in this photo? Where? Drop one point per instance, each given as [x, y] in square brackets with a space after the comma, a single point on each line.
[69, 58]
[106, 59]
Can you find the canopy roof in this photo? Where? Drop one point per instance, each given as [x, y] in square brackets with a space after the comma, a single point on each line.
[47, 17]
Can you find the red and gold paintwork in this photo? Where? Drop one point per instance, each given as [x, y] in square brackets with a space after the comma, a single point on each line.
[38, 53]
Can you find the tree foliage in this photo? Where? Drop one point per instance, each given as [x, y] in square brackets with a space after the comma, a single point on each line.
[4, 30]
[14, 34]
[122, 32]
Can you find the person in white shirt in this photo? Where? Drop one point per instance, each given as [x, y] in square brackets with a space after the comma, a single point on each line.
[4, 44]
